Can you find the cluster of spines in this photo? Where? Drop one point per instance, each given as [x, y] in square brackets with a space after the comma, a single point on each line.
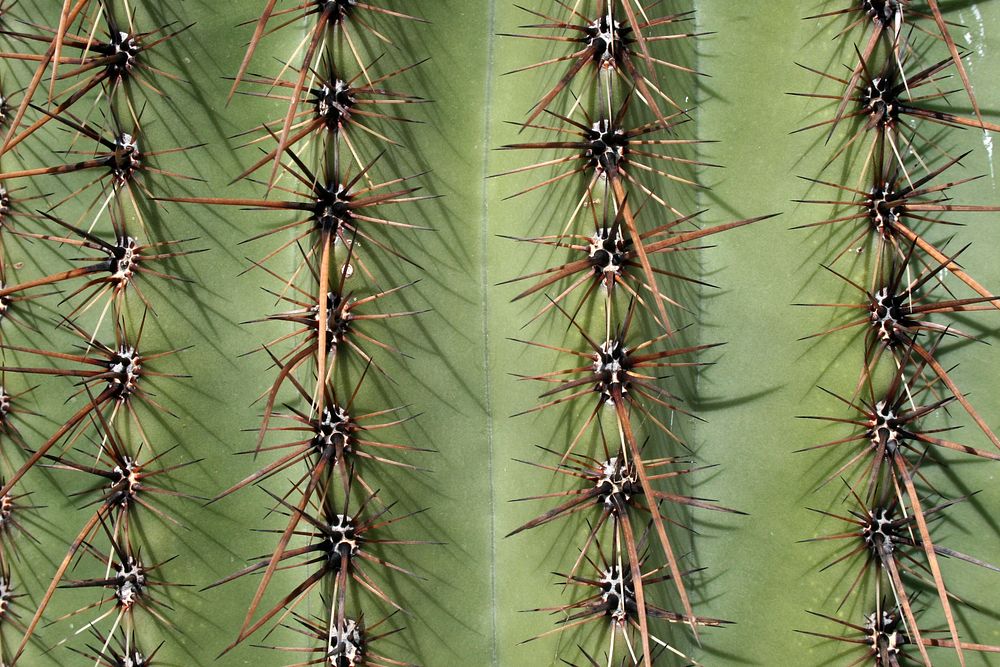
[324, 173]
[618, 145]
[901, 304]
[87, 73]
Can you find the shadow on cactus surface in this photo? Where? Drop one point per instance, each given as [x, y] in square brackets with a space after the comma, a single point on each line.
[427, 423]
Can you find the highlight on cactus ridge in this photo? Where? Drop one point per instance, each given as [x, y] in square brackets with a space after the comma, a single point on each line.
[278, 279]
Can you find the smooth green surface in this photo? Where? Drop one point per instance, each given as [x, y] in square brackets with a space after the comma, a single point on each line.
[468, 609]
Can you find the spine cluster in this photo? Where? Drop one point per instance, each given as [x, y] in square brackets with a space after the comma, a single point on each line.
[904, 290]
[612, 133]
[86, 254]
[332, 205]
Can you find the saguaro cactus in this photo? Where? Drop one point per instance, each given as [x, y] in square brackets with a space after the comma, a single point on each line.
[468, 332]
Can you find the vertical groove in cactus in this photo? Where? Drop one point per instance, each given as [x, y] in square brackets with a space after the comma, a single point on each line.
[456, 376]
